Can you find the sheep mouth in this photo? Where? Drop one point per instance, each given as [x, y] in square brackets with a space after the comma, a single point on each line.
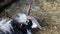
[20, 26]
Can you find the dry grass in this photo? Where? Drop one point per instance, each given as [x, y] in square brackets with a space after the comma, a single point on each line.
[51, 14]
[50, 6]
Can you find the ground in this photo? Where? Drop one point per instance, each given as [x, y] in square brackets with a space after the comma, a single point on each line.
[47, 13]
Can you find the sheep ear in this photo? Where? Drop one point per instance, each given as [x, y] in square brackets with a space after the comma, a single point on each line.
[35, 24]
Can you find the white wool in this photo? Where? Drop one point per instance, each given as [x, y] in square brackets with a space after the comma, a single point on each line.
[2, 21]
[34, 25]
[29, 32]
[21, 18]
[5, 25]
